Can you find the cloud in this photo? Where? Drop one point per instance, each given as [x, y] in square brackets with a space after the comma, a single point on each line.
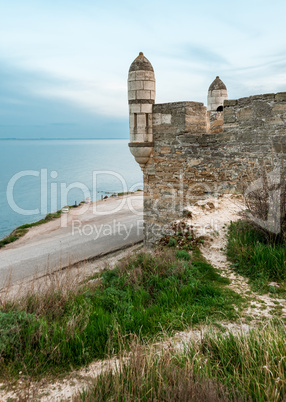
[26, 112]
[202, 55]
[71, 59]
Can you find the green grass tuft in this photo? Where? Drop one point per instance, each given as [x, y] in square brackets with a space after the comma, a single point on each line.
[256, 257]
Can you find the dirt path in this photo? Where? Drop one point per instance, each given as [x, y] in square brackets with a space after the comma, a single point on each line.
[210, 218]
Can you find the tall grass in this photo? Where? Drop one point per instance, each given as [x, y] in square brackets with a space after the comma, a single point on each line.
[65, 328]
[242, 367]
[254, 255]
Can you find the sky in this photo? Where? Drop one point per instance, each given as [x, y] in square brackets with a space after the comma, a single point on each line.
[64, 63]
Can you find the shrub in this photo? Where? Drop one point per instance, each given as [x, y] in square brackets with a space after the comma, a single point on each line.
[172, 242]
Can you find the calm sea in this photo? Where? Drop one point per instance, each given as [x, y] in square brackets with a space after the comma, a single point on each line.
[40, 176]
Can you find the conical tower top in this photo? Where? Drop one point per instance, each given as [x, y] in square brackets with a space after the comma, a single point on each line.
[141, 63]
[217, 84]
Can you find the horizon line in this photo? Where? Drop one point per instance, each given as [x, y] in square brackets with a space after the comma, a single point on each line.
[58, 139]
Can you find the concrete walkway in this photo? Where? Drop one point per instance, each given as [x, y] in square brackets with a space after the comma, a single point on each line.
[84, 233]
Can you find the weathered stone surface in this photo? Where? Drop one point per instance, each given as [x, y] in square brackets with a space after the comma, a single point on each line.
[229, 119]
[280, 96]
[141, 63]
[187, 166]
[187, 152]
[230, 102]
[279, 108]
[245, 114]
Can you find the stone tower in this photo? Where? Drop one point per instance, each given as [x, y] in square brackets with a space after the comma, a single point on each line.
[141, 97]
[217, 94]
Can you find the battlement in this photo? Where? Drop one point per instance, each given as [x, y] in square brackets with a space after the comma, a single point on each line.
[192, 151]
[179, 117]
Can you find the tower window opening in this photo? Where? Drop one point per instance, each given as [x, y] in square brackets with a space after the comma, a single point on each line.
[220, 109]
[135, 120]
[146, 120]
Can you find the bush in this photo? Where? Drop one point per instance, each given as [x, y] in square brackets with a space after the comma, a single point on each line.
[172, 242]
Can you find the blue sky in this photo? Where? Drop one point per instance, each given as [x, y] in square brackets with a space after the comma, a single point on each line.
[64, 63]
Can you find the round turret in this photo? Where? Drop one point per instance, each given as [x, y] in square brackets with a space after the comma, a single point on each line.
[217, 94]
[141, 97]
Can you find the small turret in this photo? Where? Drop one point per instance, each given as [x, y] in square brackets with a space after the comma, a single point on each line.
[217, 94]
[141, 97]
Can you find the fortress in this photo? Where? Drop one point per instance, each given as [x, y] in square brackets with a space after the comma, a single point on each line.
[188, 151]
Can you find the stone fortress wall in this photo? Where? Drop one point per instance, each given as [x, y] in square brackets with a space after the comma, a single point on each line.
[188, 152]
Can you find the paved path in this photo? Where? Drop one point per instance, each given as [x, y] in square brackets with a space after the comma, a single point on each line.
[117, 223]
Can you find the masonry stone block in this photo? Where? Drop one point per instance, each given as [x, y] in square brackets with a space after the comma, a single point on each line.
[166, 118]
[219, 99]
[245, 114]
[146, 108]
[149, 76]
[217, 93]
[279, 108]
[142, 75]
[149, 85]
[280, 96]
[135, 108]
[132, 76]
[134, 85]
[131, 95]
[142, 94]
[141, 121]
[229, 119]
[157, 119]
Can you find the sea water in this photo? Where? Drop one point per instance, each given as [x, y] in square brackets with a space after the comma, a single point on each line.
[42, 176]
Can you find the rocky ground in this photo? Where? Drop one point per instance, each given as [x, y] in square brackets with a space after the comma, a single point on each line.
[210, 219]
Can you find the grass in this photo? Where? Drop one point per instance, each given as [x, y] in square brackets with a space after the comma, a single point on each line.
[129, 192]
[221, 367]
[125, 193]
[255, 256]
[66, 328]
